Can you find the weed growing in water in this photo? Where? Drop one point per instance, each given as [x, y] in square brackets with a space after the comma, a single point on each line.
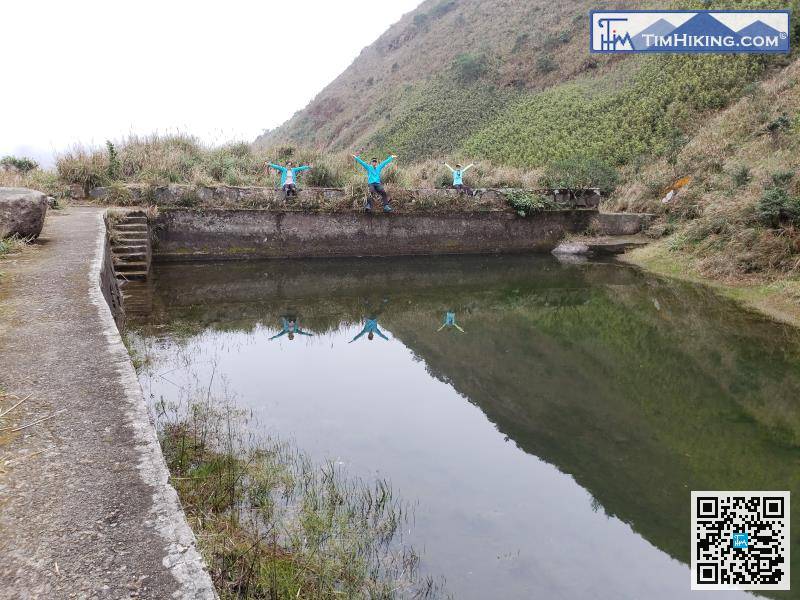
[272, 524]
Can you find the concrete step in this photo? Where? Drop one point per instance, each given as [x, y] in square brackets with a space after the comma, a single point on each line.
[601, 245]
[130, 249]
[135, 218]
[127, 258]
[130, 237]
[125, 267]
[132, 275]
[130, 227]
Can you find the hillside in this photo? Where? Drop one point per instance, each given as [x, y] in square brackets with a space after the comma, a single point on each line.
[444, 70]
[512, 83]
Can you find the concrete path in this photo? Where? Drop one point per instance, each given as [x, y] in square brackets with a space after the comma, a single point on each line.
[85, 508]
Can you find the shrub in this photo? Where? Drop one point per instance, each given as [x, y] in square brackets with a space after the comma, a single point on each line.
[581, 172]
[521, 41]
[89, 169]
[526, 203]
[782, 178]
[545, 64]
[470, 67]
[778, 123]
[777, 207]
[113, 161]
[20, 164]
[441, 9]
[741, 176]
[322, 175]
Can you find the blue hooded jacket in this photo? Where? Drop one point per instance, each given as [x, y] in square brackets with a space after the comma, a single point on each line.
[458, 174]
[289, 328]
[450, 321]
[373, 173]
[283, 171]
[370, 326]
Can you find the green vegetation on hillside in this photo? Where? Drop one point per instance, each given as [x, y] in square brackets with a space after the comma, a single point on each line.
[523, 91]
[615, 123]
[434, 119]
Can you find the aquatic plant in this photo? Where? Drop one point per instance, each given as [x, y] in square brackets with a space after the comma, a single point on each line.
[272, 524]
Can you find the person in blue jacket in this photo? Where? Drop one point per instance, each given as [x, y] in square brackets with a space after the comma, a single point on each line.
[291, 328]
[450, 321]
[374, 310]
[373, 170]
[371, 329]
[289, 176]
[458, 178]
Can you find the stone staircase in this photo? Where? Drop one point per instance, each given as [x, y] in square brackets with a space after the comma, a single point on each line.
[130, 246]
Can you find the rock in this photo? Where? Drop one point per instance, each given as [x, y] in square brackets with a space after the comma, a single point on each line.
[572, 248]
[77, 191]
[22, 212]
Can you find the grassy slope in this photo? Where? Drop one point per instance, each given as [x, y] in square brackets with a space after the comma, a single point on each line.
[712, 226]
[409, 91]
[530, 94]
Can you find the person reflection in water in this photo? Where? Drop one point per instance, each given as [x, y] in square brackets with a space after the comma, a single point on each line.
[371, 325]
[291, 328]
[450, 322]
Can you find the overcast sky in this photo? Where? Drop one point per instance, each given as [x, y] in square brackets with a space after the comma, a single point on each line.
[82, 71]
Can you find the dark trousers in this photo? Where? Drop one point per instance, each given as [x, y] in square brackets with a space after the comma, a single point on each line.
[377, 188]
[463, 189]
[290, 189]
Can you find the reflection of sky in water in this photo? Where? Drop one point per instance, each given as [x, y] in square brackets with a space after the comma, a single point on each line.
[497, 522]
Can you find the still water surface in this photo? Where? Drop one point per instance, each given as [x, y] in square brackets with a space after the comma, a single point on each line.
[550, 447]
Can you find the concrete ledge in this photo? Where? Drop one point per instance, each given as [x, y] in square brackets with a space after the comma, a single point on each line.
[238, 234]
[620, 223]
[330, 199]
[181, 556]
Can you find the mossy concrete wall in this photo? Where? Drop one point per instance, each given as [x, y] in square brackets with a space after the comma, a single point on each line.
[183, 234]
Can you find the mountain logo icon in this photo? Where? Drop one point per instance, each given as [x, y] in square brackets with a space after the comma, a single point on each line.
[698, 31]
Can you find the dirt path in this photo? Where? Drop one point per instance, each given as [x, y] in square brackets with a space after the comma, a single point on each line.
[85, 509]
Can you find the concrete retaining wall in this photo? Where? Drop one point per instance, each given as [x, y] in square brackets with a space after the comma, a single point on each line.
[108, 282]
[237, 234]
[619, 223]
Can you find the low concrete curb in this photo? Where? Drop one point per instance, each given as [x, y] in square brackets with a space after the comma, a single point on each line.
[181, 555]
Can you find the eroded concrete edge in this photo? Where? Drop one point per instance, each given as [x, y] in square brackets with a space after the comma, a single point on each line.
[181, 556]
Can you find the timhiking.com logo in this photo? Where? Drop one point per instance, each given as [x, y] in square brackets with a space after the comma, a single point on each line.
[710, 31]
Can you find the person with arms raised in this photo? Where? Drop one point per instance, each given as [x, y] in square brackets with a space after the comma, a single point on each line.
[458, 178]
[373, 169]
[288, 176]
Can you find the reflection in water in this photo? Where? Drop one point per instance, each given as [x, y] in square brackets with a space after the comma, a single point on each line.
[290, 327]
[371, 323]
[450, 322]
[552, 451]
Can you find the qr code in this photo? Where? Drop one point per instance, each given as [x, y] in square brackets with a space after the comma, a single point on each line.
[740, 540]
